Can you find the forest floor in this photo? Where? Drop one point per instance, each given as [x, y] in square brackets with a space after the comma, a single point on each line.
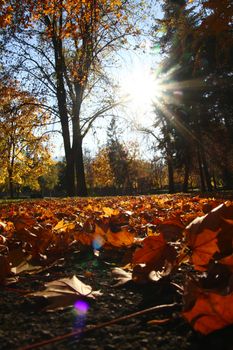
[24, 321]
[109, 322]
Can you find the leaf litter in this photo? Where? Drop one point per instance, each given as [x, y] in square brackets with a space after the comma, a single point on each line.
[148, 239]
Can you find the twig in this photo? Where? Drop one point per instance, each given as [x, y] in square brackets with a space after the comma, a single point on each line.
[98, 326]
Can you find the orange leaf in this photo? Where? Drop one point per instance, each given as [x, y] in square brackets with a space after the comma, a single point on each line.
[152, 249]
[210, 312]
[213, 220]
[228, 261]
[121, 238]
[157, 256]
[172, 229]
[23, 221]
[203, 247]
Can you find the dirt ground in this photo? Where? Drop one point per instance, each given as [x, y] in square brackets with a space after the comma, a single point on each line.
[24, 322]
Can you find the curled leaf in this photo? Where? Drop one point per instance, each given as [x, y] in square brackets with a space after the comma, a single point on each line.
[211, 311]
[65, 292]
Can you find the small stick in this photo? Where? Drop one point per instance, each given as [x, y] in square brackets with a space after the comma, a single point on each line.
[98, 326]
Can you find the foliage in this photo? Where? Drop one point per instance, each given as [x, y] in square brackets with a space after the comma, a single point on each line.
[193, 110]
[25, 154]
[164, 234]
[68, 44]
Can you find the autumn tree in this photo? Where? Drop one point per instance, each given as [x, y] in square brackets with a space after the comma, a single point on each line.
[194, 77]
[61, 46]
[50, 179]
[24, 151]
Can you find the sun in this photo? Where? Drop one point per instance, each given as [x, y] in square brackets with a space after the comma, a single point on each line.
[140, 88]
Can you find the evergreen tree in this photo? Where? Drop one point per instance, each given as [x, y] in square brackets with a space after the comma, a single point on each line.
[118, 157]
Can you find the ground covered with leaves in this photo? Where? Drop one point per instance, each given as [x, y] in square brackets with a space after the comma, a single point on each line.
[117, 273]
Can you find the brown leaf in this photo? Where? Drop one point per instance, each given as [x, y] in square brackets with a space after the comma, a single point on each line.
[120, 239]
[172, 229]
[211, 311]
[23, 221]
[65, 292]
[212, 220]
[203, 246]
[152, 250]
[227, 261]
[154, 260]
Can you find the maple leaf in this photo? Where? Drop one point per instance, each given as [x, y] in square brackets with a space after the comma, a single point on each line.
[64, 226]
[152, 250]
[213, 220]
[228, 262]
[172, 229]
[203, 246]
[65, 292]
[21, 222]
[211, 234]
[121, 238]
[211, 311]
[154, 260]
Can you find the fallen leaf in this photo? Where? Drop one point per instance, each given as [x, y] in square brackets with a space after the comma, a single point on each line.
[227, 261]
[154, 260]
[64, 226]
[210, 312]
[23, 221]
[212, 220]
[121, 276]
[65, 292]
[203, 246]
[120, 239]
[154, 251]
[172, 229]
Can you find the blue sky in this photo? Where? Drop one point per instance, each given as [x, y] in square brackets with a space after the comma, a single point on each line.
[133, 72]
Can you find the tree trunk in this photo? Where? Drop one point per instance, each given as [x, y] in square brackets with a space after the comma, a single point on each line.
[186, 176]
[80, 173]
[200, 165]
[11, 183]
[63, 113]
[78, 155]
[227, 178]
[206, 170]
[171, 186]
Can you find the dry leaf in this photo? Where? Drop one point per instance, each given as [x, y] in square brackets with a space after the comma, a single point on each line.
[203, 246]
[122, 277]
[64, 292]
[210, 312]
[120, 239]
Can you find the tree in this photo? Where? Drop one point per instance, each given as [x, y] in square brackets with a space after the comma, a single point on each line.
[50, 179]
[195, 81]
[118, 157]
[62, 44]
[101, 170]
[24, 152]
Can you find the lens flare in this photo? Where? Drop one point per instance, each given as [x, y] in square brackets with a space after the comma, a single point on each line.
[97, 242]
[81, 307]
